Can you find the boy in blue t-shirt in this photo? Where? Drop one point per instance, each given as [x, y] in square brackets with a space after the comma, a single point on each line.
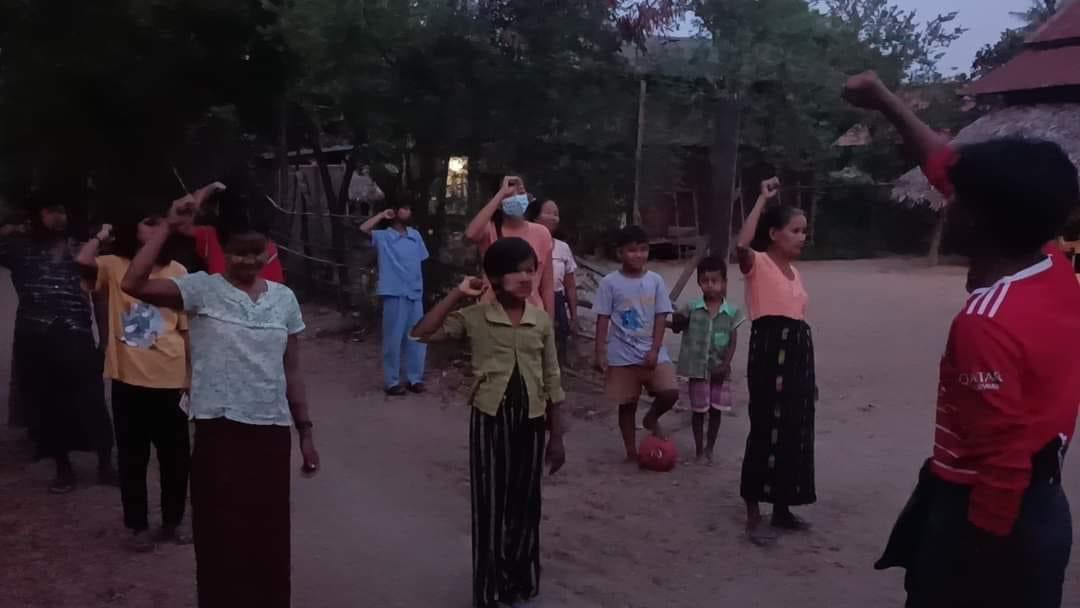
[401, 252]
[632, 306]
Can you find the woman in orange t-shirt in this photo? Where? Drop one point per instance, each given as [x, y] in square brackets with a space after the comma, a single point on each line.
[778, 467]
[504, 217]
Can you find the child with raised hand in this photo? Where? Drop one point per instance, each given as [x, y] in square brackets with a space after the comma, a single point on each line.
[401, 254]
[632, 306]
[515, 404]
[709, 325]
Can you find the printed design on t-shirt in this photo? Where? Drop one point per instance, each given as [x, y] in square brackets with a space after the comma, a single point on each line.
[142, 324]
[631, 320]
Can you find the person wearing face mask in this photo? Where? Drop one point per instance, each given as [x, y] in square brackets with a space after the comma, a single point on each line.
[504, 217]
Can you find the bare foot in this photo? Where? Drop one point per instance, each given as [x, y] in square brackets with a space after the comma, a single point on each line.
[652, 423]
[708, 459]
[760, 534]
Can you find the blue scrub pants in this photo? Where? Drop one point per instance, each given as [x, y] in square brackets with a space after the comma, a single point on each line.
[400, 315]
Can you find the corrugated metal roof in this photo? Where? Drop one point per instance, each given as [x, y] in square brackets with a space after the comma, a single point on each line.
[1062, 26]
[1031, 70]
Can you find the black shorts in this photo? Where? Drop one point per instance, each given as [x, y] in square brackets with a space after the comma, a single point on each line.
[952, 564]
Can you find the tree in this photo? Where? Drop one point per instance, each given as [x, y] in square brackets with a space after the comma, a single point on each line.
[993, 56]
[1037, 13]
[1011, 43]
[897, 34]
[108, 90]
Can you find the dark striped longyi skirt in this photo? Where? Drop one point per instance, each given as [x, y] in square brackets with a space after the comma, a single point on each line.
[779, 464]
[507, 460]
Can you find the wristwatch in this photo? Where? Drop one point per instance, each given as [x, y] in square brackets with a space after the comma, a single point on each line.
[304, 425]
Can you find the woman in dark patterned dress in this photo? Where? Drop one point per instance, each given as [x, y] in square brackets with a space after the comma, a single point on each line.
[61, 395]
[779, 464]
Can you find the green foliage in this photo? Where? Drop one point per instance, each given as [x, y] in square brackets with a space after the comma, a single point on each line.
[916, 48]
[1037, 13]
[1011, 42]
[993, 56]
[108, 89]
[111, 89]
[785, 60]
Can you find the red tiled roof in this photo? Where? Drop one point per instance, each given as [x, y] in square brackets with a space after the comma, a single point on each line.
[1062, 26]
[1032, 69]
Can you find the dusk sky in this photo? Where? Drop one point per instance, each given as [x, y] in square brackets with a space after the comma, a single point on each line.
[985, 20]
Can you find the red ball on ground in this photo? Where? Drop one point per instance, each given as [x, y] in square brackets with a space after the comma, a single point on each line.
[657, 454]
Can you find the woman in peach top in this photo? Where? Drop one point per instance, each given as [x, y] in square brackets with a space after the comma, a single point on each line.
[504, 217]
[779, 464]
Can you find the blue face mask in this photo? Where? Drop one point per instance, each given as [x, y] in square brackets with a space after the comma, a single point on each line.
[515, 206]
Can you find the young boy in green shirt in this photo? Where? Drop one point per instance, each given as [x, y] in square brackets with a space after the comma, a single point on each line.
[709, 326]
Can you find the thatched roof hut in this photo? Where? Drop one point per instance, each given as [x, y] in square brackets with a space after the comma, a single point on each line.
[1041, 92]
[1059, 123]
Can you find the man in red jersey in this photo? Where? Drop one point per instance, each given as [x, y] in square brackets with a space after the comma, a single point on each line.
[989, 525]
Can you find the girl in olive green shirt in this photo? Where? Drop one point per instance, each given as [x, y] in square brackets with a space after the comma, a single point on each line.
[515, 403]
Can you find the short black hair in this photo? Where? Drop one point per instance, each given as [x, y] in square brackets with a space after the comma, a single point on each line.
[1019, 192]
[712, 263]
[631, 235]
[774, 218]
[505, 256]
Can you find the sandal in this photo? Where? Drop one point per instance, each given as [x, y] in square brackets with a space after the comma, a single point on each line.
[177, 535]
[790, 522]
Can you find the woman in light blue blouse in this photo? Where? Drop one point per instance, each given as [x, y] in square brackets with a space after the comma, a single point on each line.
[246, 391]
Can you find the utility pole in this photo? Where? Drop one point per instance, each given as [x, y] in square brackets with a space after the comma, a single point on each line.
[635, 212]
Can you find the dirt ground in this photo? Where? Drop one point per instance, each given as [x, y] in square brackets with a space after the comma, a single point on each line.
[386, 523]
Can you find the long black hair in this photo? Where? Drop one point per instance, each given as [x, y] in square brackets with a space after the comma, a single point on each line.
[774, 218]
[126, 240]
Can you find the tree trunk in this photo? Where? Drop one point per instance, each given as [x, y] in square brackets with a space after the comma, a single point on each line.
[639, 152]
[438, 222]
[725, 156]
[333, 203]
[281, 158]
[305, 237]
[934, 257]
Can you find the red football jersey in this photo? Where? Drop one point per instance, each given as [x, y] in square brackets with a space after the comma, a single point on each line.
[1009, 385]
